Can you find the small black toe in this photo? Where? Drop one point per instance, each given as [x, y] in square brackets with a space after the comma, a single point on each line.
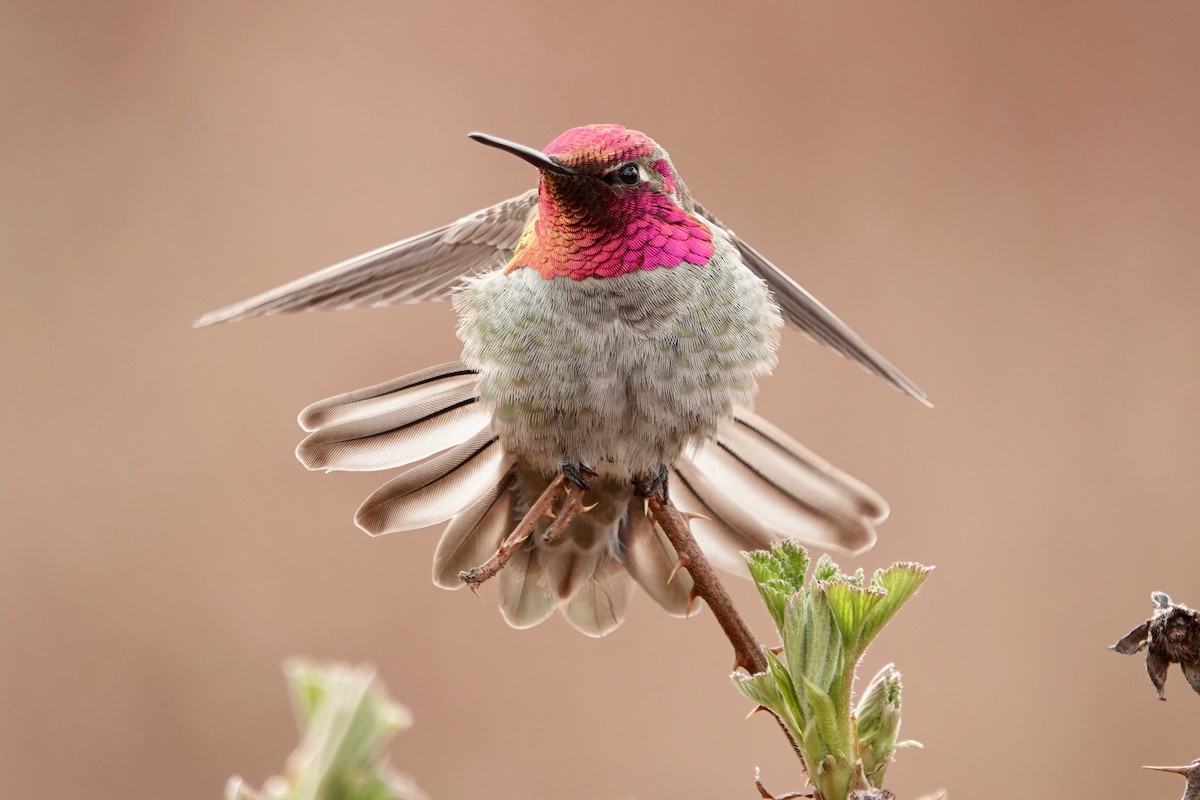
[652, 483]
[578, 473]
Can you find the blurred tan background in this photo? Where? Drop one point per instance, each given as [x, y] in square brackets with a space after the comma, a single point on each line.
[1002, 197]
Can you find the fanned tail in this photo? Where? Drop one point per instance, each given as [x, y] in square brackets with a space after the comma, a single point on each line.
[751, 483]
[394, 423]
[583, 573]
[434, 412]
[653, 563]
[758, 486]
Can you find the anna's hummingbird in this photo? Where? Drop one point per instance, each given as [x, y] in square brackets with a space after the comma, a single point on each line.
[613, 331]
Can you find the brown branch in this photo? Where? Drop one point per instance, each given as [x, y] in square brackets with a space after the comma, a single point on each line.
[571, 507]
[1191, 772]
[748, 652]
[525, 528]
[765, 795]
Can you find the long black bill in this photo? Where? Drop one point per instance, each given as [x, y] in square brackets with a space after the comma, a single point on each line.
[535, 157]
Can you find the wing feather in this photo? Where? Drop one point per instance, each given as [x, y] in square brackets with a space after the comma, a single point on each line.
[807, 313]
[428, 266]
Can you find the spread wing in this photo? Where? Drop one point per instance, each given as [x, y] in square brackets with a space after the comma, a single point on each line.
[806, 312]
[428, 266]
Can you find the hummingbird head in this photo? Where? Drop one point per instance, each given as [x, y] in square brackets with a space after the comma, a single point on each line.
[609, 203]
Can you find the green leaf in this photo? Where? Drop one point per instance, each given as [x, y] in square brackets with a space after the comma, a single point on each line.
[826, 718]
[787, 688]
[826, 569]
[779, 574]
[793, 563]
[900, 581]
[761, 689]
[812, 643]
[774, 691]
[811, 743]
[851, 607]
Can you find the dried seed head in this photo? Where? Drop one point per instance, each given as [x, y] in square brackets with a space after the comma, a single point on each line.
[872, 794]
[1170, 636]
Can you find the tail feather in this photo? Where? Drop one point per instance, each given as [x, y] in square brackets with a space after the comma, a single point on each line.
[568, 566]
[395, 436]
[388, 396]
[652, 562]
[525, 600]
[765, 486]
[600, 602]
[475, 534]
[803, 473]
[438, 489]
[751, 486]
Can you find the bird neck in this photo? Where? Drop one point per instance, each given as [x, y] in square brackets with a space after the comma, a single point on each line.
[583, 230]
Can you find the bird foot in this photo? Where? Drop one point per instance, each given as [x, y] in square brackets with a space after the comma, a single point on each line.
[652, 484]
[578, 474]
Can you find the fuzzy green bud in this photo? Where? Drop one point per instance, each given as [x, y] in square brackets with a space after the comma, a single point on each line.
[779, 575]
[878, 718]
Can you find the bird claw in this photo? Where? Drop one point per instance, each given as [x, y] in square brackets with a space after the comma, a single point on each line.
[578, 474]
[652, 484]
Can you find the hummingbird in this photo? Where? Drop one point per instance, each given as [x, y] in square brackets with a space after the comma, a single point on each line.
[614, 331]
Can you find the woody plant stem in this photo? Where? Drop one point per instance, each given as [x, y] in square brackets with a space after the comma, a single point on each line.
[747, 650]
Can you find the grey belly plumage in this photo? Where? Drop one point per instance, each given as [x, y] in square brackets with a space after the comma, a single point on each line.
[619, 373]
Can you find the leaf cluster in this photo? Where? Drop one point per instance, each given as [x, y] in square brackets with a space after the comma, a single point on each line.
[346, 719]
[826, 624]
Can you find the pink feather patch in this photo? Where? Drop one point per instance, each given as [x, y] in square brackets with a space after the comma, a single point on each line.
[581, 232]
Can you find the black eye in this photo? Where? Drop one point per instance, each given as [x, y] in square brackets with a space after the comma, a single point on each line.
[629, 175]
